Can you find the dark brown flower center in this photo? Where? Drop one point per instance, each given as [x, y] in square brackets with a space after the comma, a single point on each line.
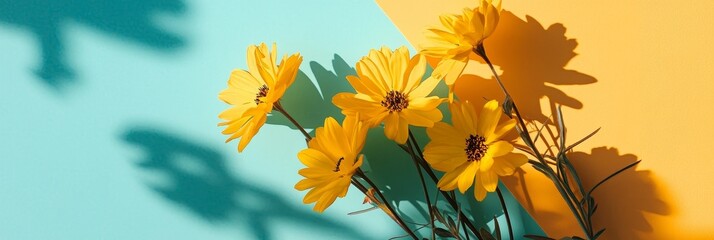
[475, 147]
[339, 161]
[395, 101]
[262, 92]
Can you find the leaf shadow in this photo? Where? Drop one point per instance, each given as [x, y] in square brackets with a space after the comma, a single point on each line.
[310, 103]
[197, 179]
[627, 198]
[386, 164]
[131, 20]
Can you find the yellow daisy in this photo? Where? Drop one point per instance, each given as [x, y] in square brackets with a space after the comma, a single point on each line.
[471, 151]
[458, 36]
[390, 90]
[332, 157]
[253, 93]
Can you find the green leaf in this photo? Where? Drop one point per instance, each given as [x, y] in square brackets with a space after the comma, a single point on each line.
[581, 140]
[486, 235]
[612, 175]
[497, 229]
[363, 211]
[536, 237]
[508, 106]
[597, 235]
[566, 162]
[452, 226]
[438, 215]
[561, 128]
[526, 138]
[443, 232]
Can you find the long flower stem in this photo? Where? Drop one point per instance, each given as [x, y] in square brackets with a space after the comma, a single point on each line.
[505, 212]
[568, 196]
[449, 197]
[423, 185]
[386, 202]
[280, 109]
[354, 182]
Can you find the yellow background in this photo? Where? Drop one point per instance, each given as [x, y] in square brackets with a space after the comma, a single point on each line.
[641, 70]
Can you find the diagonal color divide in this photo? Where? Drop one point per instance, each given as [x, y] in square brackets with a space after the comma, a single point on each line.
[622, 67]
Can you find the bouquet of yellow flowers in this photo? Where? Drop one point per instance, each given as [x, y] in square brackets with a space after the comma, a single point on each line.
[393, 91]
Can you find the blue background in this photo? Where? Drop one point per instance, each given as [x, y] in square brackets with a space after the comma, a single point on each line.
[108, 113]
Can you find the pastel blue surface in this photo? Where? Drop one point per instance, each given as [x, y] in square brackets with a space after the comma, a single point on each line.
[108, 113]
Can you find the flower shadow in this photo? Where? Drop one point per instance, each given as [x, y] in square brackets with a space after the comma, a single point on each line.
[310, 103]
[195, 177]
[533, 60]
[386, 164]
[627, 198]
[132, 20]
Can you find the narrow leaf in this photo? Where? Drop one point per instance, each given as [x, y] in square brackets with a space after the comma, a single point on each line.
[561, 128]
[612, 175]
[497, 229]
[362, 211]
[566, 162]
[545, 123]
[486, 235]
[524, 135]
[582, 140]
[443, 232]
[598, 233]
[452, 226]
[438, 215]
[536, 237]
[508, 106]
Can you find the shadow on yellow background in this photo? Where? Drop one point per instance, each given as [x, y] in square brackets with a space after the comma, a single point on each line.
[638, 72]
[628, 198]
[532, 60]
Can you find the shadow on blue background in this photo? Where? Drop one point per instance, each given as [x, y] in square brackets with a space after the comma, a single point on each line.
[133, 20]
[391, 168]
[199, 181]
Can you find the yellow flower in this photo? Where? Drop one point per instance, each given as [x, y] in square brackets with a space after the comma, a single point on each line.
[390, 90]
[332, 157]
[471, 151]
[252, 93]
[458, 35]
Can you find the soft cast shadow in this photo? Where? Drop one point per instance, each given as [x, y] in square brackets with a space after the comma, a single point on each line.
[197, 179]
[627, 198]
[386, 164]
[131, 20]
[310, 104]
[533, 60]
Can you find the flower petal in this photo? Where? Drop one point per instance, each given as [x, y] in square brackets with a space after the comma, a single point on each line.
[450, 180]
[501, 130]
[489, 180]
[421, 118]
[479, 190]
[488, 119]
[506, 165]
[313, 158]
[468, 176]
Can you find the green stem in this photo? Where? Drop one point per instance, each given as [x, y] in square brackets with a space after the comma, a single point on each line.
[280, 109]
[386, 203]
[505, 212]
[426, 192]
[449, 197]
[277, 106]
[567, 195]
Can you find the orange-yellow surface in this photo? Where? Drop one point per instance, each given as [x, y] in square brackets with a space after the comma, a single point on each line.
[641, 70]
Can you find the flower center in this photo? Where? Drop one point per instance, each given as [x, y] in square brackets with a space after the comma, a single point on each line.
[339, 161]
[475, 147]
[395, 101]
[262, 92]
